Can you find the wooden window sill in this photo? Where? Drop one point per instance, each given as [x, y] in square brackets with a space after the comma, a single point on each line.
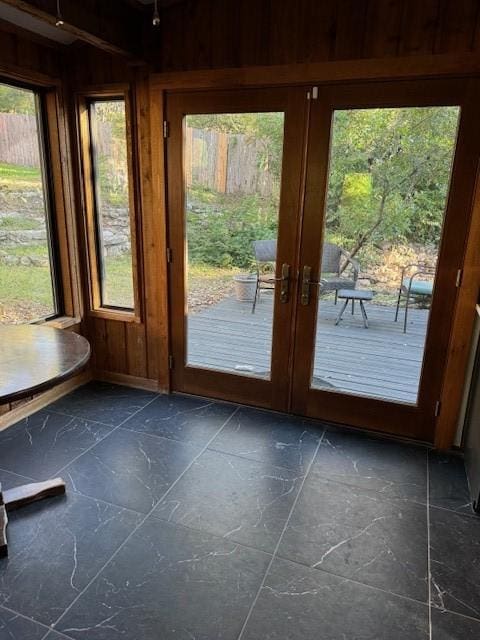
[63, 322]
[115, 314]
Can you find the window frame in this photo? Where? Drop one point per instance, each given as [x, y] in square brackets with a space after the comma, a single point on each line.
[97, 308]
[43, 105]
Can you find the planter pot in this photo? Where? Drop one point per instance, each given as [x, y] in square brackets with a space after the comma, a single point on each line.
[245, 287]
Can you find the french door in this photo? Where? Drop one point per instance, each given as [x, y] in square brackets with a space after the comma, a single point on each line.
[234, 177]
[316, 238]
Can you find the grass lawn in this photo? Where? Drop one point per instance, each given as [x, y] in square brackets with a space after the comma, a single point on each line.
[118, 284]
[25, 293]
[14, 177]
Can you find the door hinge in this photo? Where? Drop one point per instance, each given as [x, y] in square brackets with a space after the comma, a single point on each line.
[171, 362]
[166, 128]
[458, 281]
[438, 406]
[169, 255]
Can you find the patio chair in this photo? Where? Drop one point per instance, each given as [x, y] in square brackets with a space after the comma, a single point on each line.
[265, 252]
[411, 286]
[335, 262]
[339, 270]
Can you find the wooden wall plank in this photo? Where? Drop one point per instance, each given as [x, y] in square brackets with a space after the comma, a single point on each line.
[136, 350]
[456, 27]
[383, 24]
[419, 27]
[116, 346]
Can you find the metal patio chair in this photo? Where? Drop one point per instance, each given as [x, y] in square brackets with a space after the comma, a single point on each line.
[339, 270]
[412, 287]
[265, 252]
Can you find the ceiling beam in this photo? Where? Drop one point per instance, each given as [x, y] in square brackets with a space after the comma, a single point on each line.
[112, 25]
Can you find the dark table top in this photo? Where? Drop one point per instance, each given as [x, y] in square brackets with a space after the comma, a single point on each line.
[35, 358]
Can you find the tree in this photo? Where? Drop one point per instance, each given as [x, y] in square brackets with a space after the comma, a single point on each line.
[389, 175]
[14, 100]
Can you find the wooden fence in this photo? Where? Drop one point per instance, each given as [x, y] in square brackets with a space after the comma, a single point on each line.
[19, 140]
[226, 163]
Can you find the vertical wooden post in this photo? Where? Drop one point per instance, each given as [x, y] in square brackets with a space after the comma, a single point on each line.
[222, 163]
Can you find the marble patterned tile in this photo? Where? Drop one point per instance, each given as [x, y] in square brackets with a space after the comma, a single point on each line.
[450, 626]
[394, 469]
[242, 500]
[448, 482]
[358, 535]
[455, 561]
[183, 418]
[130, 469]
[13, 626]
[299, 603]
[42, 444]
[9, 480]
[264, 436]
[172, 583]
[109, 403]
[56, 546]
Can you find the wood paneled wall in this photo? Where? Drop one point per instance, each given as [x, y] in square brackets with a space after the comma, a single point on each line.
[214, 34]
[23, 53]
[207, 34]
[138, 350]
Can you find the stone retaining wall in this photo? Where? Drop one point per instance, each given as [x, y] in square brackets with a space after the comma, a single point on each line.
[28, 206]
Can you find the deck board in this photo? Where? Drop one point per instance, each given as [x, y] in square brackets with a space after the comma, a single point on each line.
[380, 361]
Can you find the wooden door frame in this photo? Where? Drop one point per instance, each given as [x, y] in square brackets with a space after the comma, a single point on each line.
[414, 421]
[272, 393]
[370, 70]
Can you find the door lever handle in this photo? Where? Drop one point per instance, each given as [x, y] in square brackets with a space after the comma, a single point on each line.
[306, 284]
[284, 280]
[285, 283]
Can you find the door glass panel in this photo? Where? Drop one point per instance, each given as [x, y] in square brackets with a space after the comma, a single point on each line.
[389, 175]
[232, 174]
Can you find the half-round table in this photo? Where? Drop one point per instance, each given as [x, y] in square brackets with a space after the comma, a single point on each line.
[33, 359]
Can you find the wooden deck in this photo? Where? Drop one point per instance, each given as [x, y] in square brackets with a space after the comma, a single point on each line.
[380, 361]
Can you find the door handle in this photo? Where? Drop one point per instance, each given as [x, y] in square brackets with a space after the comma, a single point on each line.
[306, 284]
[285, 283]
[284, 280]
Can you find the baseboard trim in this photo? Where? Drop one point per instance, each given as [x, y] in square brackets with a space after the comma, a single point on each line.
[129, 381]
[42, 400]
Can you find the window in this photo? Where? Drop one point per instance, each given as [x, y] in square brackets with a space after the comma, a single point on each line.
[29, 286]
[112, 210]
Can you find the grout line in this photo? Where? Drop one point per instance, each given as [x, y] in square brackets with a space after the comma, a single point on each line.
[135, 529]
[277, 546]
[40, 624]
[69, 415]
[112, 430]
[429, 565]
[213, 535]
[249, 459]
[19, 475]
[394, 594]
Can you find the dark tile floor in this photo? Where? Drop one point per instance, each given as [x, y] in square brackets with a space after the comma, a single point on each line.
[192, 519]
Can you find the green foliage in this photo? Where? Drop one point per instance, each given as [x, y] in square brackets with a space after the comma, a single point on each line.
[16, 177]
[15, 100]
[15, 223]
[223, 237]
[405, 156]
